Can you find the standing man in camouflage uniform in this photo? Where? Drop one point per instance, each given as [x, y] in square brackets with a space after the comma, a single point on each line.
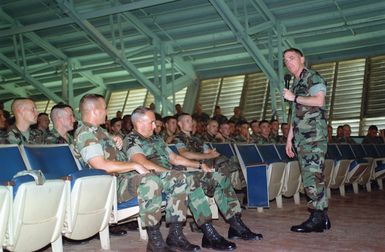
[99, 151]
[62, 117]
[25, 113]
[153, 153]
[309, 130]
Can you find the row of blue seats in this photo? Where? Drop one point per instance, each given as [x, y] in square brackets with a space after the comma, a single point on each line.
[46, 195]
[280, 176]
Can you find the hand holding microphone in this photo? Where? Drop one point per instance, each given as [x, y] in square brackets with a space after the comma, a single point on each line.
[286, 90]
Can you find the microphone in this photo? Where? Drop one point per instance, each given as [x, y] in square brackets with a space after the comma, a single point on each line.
[287, 79]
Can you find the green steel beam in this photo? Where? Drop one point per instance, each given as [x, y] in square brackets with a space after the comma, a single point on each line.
[184, 66]
[89, 15]
[112, 51]
[28, 78]
[53, 50]
[239, 32]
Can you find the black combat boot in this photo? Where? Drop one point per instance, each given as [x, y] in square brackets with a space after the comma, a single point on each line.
[327, 223]
[315, 223]
[238, 230]
[211, 239]
[177, 240]
[155, 240]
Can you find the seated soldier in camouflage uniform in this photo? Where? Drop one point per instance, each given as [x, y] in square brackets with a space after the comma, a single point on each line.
[153, 153]
[25, 113]
[97, 149]
[211, 134]
[224, 130]
[170, 128]
[194, 148]
[265, 137]
[243, 133]
[3, 128]
[255, 130]
[63, 120]
[285, 132]
[42, 125]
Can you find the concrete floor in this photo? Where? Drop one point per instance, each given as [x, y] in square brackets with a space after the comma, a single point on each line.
[358, 224]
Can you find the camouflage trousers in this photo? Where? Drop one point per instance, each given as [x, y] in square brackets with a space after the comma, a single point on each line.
[149, 187]
[230, 168]
[211, 184]
[311, 157]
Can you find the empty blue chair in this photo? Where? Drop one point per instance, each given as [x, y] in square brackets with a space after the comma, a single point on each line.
[91, 191]
[379, 169]
[37, 205]
[360, 154]
[5, 206]
[255, 172]
[292, 177]
[275, 171]
[357, 166]
[340, 170]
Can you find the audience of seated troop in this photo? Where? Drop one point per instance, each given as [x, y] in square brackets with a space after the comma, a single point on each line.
[136, 147]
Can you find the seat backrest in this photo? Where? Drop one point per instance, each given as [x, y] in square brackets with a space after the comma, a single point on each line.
[249, 154]
[370, 150]
[346, 151]
[224, 148]
[173, 148]
[11, 162]
[333, 152]
[54, 160]
[281, 148]
[269, 153]
[380, 149]
[358, 150]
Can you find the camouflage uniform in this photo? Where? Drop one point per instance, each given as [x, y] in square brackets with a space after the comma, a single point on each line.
[15, 136]
[254, 137]
[3, 137]
[228, 167]
[310, 138]
[242, 139]
[53, 137]
[200, 183]
[91, 141]
[261, 140]
[209, 138]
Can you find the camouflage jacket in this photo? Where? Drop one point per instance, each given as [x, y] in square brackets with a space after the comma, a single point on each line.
[89, 138]
[15, 136]
[53, 137]
[209, 138]
[191, 143]
[261, 140]
[154, 148]
[309, 122]
[3, 137]
[242, 139]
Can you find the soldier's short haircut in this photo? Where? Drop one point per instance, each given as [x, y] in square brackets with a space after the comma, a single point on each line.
[254, 121]
[58, 110]
[18, 102]
[182, 115]
[42, 114]
[138, 113]
[115, 120]
[297, 51]
[264, 121]
[87, 99]
[168, 118]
